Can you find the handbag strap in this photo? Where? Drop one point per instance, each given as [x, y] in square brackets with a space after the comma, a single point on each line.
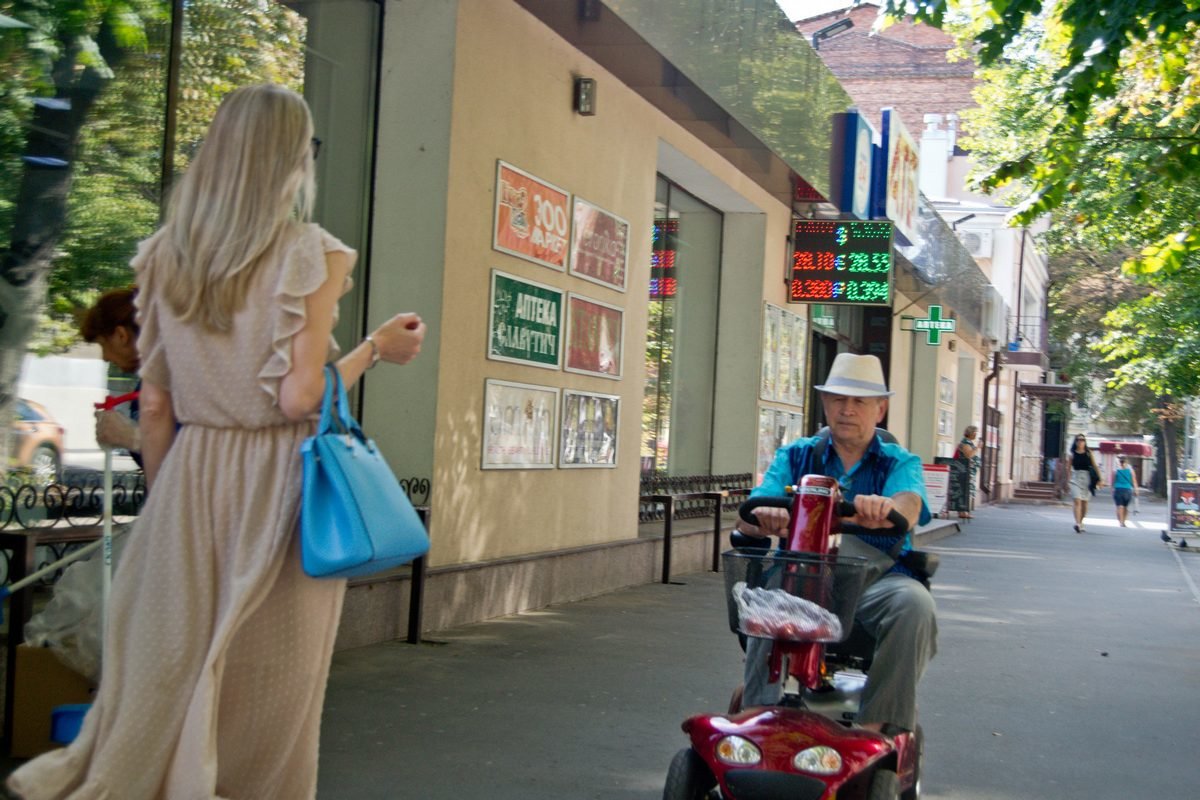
[336, 405]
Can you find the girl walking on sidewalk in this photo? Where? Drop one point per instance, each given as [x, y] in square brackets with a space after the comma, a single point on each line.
[1124, 485]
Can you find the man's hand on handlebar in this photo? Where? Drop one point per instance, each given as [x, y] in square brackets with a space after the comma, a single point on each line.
[871, 511]
[771, 522]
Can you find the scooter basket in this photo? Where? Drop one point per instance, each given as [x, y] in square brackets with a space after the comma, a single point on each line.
[792, 597]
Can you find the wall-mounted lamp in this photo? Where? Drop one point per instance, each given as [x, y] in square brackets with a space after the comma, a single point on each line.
[585, 97]
[589, 10]
[954, 225]
[833, 29]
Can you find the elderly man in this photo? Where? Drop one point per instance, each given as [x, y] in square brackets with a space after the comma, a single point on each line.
[896, 609]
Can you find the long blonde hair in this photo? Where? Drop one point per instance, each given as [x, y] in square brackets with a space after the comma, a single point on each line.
[252, 176]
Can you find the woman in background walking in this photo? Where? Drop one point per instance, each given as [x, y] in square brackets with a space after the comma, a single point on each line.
[1085, 477]
[1124, 485]
[218, 645]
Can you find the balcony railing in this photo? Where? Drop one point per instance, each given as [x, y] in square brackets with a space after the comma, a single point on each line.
[1028, 343]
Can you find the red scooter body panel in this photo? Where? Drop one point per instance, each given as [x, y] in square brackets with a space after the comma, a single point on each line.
[781, 733]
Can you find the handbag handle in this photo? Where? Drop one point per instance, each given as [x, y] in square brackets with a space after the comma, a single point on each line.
[342, 414]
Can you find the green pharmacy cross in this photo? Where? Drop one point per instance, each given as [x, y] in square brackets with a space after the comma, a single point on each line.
[934, 326]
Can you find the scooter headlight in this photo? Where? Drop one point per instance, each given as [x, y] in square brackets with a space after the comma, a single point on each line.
[819, 760]
[739, 751]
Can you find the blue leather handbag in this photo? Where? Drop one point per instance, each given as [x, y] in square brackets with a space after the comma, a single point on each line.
[355, 519]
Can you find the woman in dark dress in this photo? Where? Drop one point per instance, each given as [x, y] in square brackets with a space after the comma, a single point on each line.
[1085, 477]
[961, 473]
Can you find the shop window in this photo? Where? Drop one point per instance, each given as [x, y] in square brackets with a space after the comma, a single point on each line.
[94, 126]
[677, 409]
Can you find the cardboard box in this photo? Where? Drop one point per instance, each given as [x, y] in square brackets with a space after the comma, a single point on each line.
[41, 683]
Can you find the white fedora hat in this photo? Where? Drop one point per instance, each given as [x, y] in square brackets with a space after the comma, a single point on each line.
[856, 376]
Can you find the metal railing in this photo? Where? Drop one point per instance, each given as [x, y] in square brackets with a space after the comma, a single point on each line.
[689, 485]
[691, 496]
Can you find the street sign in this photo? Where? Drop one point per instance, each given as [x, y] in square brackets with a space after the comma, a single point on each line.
[934, 326]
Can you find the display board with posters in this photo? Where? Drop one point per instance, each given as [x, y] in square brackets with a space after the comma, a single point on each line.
[595, 336]
[519, 420]
[599, 246]
[1183, 507]
[589, 429]
[784, 356]
[525, 322]
[532, 218]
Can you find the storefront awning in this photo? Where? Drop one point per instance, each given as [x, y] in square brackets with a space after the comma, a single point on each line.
[1048, 391]
[1134, 449]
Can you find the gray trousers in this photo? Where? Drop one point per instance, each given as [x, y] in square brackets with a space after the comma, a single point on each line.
[900, 613]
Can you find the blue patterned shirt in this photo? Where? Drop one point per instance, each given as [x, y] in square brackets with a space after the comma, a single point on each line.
[885, 469]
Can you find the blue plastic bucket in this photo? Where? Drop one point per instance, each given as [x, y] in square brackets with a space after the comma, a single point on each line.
[66, 720]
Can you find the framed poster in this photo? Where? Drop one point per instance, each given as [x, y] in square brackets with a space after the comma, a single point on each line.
[783, 359]
[599, 246]
[518, 425]
[589, 429]
[770, 352]
[595, 333]
[798, 382]
[945, 390]
[767, 445]
[532, 218]
[525, 322]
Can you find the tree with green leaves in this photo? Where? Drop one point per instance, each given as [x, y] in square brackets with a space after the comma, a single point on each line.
[82, 121]
[1089, 112]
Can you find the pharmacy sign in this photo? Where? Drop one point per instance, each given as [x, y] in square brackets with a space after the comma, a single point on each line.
[934, 326]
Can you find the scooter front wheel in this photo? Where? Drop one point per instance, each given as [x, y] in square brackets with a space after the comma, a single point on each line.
[689, 778]
[885, 785]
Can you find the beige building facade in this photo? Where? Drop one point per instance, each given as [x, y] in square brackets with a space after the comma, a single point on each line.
[710, 136]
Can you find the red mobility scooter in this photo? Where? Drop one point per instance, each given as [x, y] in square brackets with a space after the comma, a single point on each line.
[807, 747]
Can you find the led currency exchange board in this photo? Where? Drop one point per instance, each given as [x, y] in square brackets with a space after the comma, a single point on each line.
[841, 261]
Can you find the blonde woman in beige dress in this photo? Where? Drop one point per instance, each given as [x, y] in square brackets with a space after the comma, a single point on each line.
[218, 646]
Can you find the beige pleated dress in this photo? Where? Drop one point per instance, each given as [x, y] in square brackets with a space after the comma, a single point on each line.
[218, 646]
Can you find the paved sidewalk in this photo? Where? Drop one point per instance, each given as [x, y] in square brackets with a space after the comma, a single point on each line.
[573, 702]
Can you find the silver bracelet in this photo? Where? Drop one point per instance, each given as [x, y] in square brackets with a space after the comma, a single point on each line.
[374, 351]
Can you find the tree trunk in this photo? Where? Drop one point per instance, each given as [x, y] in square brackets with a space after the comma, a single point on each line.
[40, 215]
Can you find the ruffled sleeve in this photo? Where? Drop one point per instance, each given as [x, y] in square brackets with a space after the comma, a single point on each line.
[303, 272]
[152, 353]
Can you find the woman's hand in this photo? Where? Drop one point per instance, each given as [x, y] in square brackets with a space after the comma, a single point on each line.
[399, 339]
[114, 429]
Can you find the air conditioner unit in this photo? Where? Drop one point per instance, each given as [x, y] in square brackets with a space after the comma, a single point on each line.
[978, 241]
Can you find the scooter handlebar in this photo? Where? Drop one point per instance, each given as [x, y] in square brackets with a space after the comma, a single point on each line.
[844, 508]
[746, 509]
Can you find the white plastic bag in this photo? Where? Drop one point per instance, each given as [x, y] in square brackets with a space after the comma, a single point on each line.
[70, 623]
[776, 614]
